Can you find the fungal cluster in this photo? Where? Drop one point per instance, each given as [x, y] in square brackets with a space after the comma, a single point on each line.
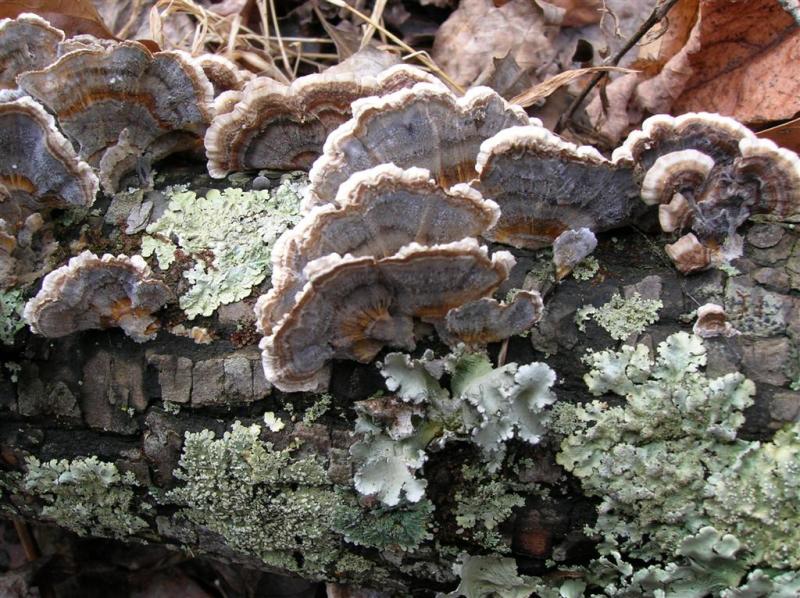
[408, 185]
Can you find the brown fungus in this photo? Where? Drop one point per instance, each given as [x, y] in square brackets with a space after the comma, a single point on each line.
[713, 321]
[283, 127]
[487, 321]
[351, 307]
[93, 292]
[570, 248]
[708, 174]
[376, 212]
[223, 73]
[125, 99]
[545, 186]
[27, 43]
[39, 171]
[424, 126]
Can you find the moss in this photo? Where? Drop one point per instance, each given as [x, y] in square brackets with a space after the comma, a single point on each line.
[87, 496]
[621, 317]
[262, 501]
[11, 322]
[229, 235]
[677, 431]
[401, 528]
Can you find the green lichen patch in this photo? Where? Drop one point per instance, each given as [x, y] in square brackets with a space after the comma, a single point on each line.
[482, 504]
[586, 269]
[87, 496]
[621, 317]
[491, 577]
[667, 463]
[262, 501]
[11, 322]
[228, 234]
[488, 406]
[401, 528]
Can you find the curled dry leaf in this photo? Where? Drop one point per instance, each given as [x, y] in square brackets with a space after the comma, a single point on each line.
[479, 31]
[71, 16]
[734, 58]
[786, 135]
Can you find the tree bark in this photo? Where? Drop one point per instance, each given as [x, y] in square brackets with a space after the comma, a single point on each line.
[97, 393]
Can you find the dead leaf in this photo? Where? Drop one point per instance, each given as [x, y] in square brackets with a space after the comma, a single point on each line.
[71, 16]
[506, 77]
[579, 13]
[786, 135]
[749, 63]
[478, 31]
[733, 57]
[545, 88]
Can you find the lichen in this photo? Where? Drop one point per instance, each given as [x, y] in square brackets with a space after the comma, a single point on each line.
[486, 405]
[87, 496]
[677, 431]
[11, 305]
[318, 409]
[490, 577]
[586, 268]
[483, 502]
[262, 501]
[621, 317]
[402, 528]
[229, 235]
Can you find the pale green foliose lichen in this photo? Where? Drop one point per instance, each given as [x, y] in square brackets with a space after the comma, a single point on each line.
[262, 501]
[667, 463]
[488, 406]
[87, 496]
[318, 409]
[621, 317]
[11, 322]
[490, 577]
[228, 234]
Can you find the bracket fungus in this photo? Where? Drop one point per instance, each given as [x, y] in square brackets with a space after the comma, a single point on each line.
[93, 292]
[351, 307]
[26, 43]
[425, 126]
[283, 127]
[39, 171]
[545, 186]
[223, 73]
[570, 248]
[708, 173]
[376, 212]
[125, 100]
[713, 321]
[485, 321]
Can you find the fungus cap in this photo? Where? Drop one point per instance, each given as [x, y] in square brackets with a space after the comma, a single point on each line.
[93, 292]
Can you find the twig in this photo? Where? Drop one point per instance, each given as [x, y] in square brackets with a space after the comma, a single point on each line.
[26, 540]
[659, 12]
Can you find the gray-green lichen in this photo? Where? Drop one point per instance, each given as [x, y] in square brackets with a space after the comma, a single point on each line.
[262, 501]
[668, 463]
[229, 235]
[87, 496]
[621, 317]
[486, 405]
[11, 322]
[318, 409]
[482, 503]
[401, 528]
[490, 577]
[586, 268]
